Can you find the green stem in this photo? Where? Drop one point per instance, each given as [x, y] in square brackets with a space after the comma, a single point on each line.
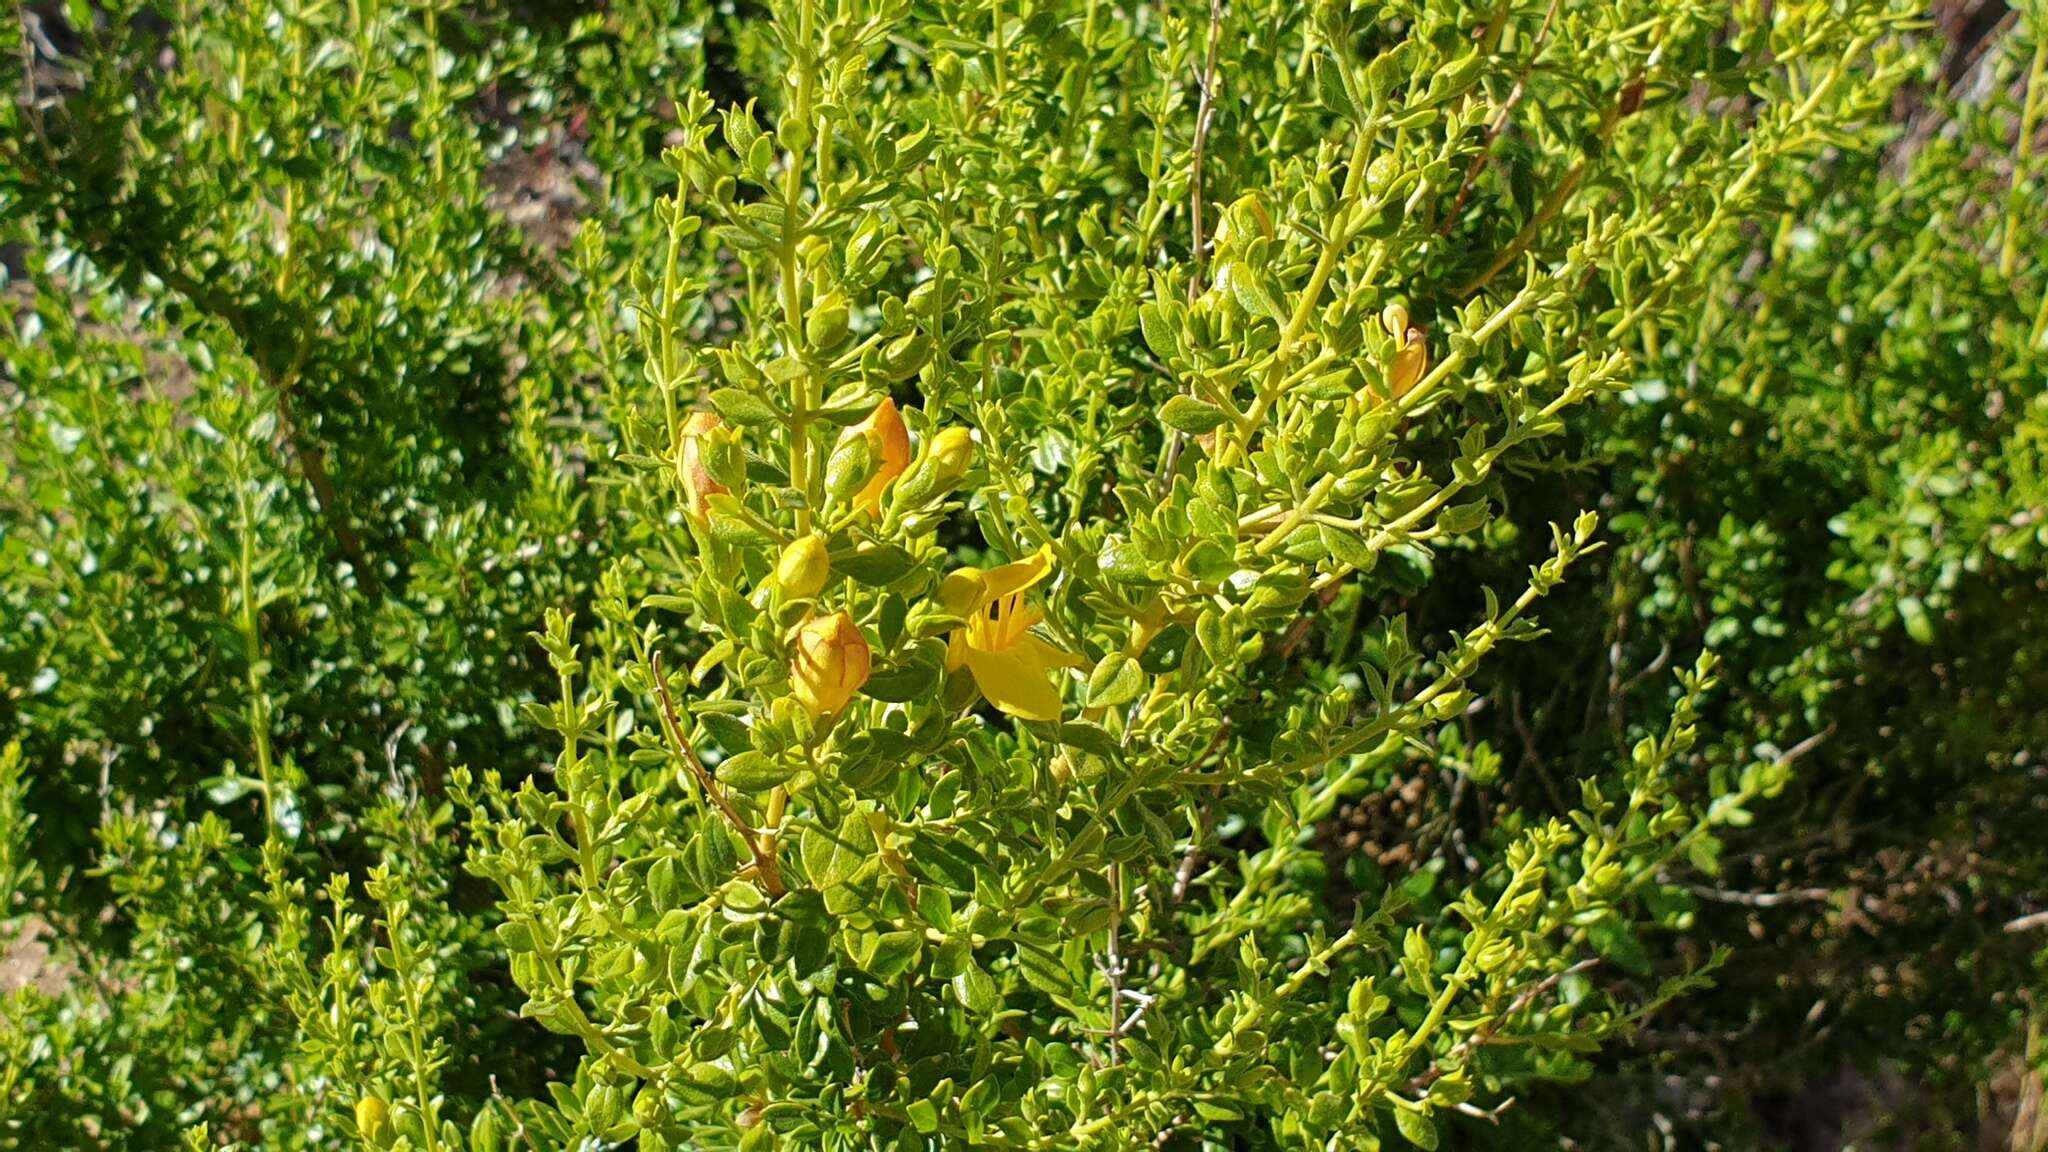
[2023, 150]
[1268, 392]
[801, 386]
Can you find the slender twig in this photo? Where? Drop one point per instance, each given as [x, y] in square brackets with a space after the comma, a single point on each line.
[1114, 968]
[518, 1123]
[1760, 899]
[1792, 754]
[1490, 1115]
[1205, 112]
[2022, 152]
[1485, 1034]
[1192, 858]
[1498, 125]
[764, 864]
[1530, 757]
[2030, 920]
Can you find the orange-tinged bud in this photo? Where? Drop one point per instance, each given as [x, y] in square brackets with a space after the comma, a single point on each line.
[830, 663]
[1409, 364]
[890, 442]
[698, 484]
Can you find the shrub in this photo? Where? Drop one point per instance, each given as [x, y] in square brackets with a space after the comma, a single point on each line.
[1014, 512]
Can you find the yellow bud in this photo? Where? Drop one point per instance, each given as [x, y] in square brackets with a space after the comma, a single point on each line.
[371, 1116]
[830, 663]
[960, 590]
[952, 451]
[698, 484]
[804, 566]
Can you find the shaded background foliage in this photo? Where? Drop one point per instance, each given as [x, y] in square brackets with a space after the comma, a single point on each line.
[322, 488]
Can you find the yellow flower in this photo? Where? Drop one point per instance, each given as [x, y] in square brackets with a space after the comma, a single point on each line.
[830, 663]
[698, 484]
[890, 442]
[1010, 665]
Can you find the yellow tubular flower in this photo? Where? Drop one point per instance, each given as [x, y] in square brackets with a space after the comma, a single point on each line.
[891, 442]
[830, 663]
[1010, 665]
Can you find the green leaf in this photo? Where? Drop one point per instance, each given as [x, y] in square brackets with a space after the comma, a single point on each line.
[742, 407]
[1462, 518]
[975, 990]
[1416, 1127]
[876, 565]
[1089, 738]
[1253, 295]
[1161, 329]
[1192, 416]
[831, 858]
[750, 771]
[902, 684]
[1615, 939]
[1116, 681]
[895, 954]
[1348, 549]
[516, 936]
[1913, 614]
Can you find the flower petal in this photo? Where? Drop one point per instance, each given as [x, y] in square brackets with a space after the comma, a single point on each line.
[1009, 579]
[1014, 680]
[1050, 655]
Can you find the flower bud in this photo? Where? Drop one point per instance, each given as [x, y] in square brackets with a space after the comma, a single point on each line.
[952, 450]
[829, 665]
[851, 466]
[889, 442]
[939, 467]
[959, 591]
[826, 326]
[698, 483]
[372, 1115]
[1409, 364]
[804, 566]
[904, 355]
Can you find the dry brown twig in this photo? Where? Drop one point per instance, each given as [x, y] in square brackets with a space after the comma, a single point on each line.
[764, 863]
